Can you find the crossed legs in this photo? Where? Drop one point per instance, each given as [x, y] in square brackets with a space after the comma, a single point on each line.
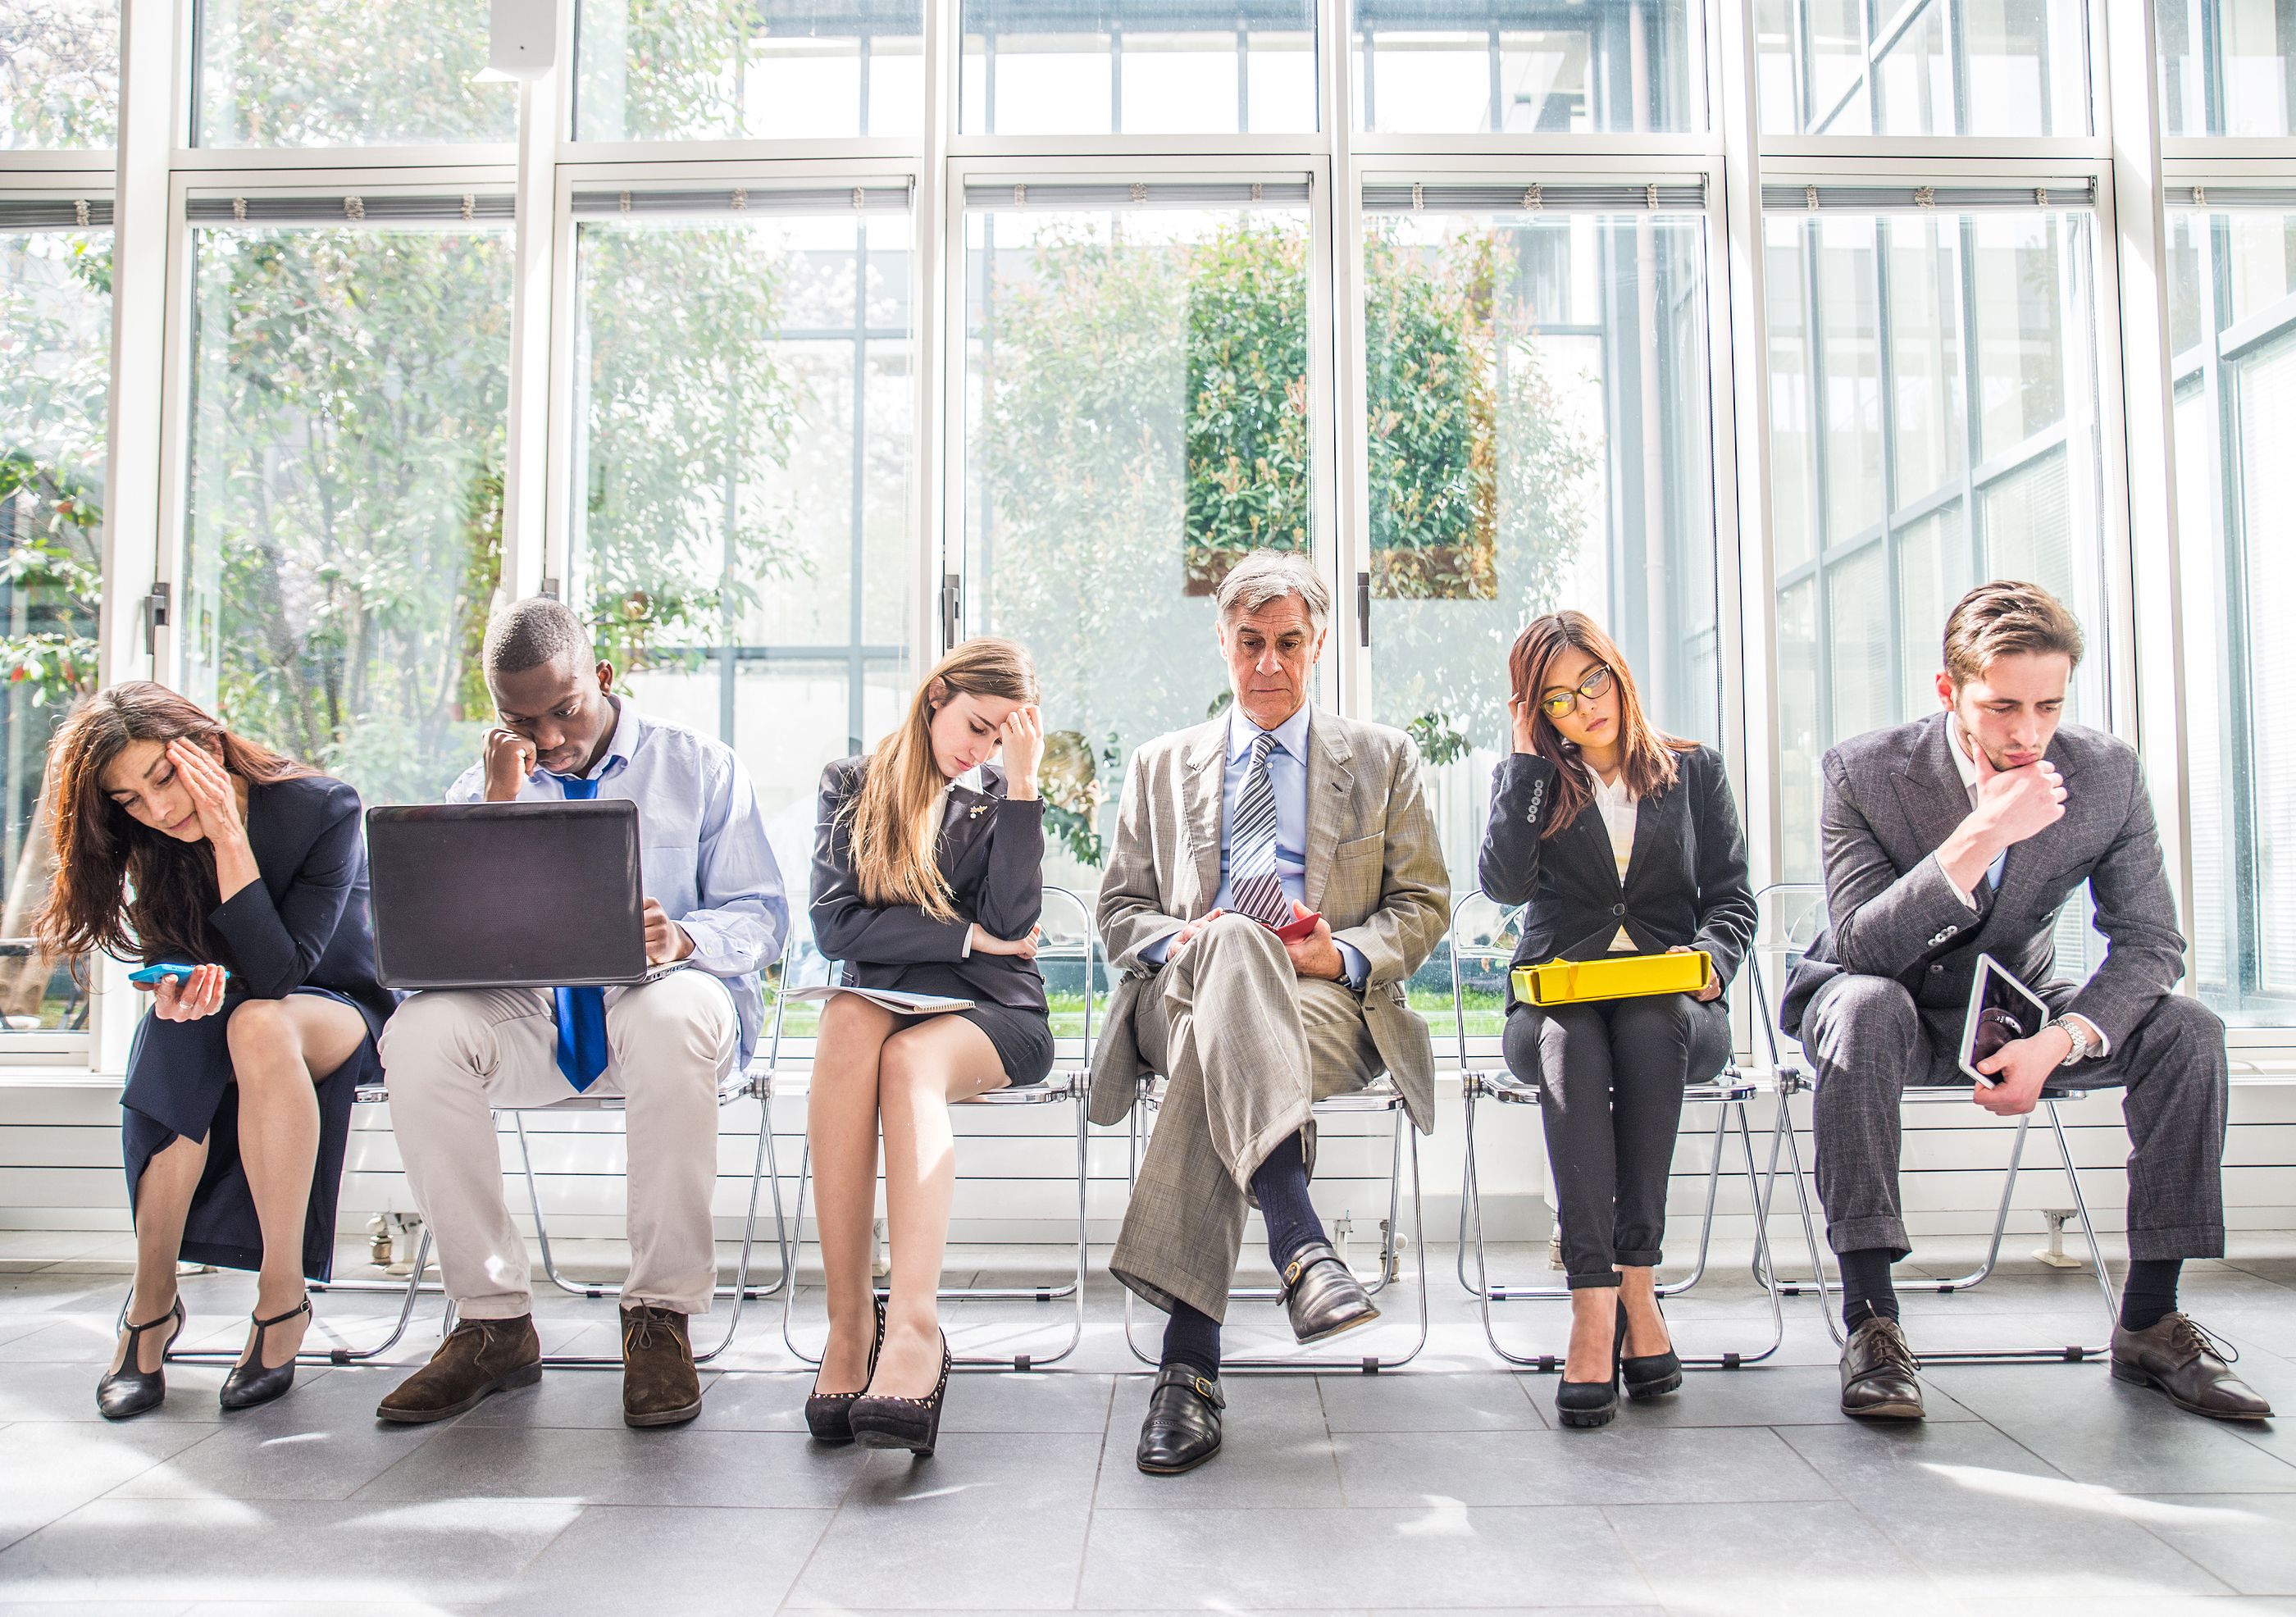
[879, 1075]
[280, 1049]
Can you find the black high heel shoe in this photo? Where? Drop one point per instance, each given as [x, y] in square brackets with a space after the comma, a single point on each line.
[1593, 1403]
[828, 1416]
[131, 1390]
[249, 1382]
[913, 1423]
[1653, 1375]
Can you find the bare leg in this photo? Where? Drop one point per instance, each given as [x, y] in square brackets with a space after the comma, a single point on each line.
[279, 1050]
[842, 1125]
[163, 1201]
[924, 1068]
[1593, 1323]
[1646, 1332]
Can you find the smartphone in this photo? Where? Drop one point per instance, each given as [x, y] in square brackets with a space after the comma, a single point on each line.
[1291, 932]
[150, 976]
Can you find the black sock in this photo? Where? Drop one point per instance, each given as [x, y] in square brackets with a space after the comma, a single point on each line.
[1866, 1293]
[2149, 1292]
[1281, 1184]
[1191, 1338]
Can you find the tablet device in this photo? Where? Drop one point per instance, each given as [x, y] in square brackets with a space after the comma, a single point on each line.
[2001, 1011]
[507, 895]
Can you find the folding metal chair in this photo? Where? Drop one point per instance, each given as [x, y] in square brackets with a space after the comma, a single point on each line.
[1064, 1083]
[1805, 903]
[1380, 1097]
[1729, 1091]
[368, 1094]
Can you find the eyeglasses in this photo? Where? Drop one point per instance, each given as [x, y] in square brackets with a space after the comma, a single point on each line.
[1590, 689]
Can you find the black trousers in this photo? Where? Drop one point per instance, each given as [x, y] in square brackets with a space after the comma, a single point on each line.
[1610, 1077]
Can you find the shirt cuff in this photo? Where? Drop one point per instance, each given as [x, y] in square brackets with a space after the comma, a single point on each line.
[966, 952]
[1158, 952]
[1358, 969]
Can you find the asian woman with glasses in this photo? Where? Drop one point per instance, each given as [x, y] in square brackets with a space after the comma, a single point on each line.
[1618, 839]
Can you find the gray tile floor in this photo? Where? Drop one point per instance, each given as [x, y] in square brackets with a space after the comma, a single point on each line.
[1443, 1487]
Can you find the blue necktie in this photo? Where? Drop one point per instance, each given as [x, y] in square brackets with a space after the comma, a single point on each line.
[581, 1011]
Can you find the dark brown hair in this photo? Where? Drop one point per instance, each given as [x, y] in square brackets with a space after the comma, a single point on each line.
[2006, 618]
[1646, 755]
[119, 885]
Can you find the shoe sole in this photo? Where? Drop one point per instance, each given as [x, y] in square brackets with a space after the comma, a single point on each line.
[525, 1377]
[868, 1438]
[665, 1417]
[1173, 1471]
[1640, 1389]
[1343, 1327]
[1585, 1419]
[1886, 1412]
[2138, 1377]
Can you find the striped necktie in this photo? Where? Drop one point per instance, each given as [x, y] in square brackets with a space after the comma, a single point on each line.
[582, 1050]
[1253, 886]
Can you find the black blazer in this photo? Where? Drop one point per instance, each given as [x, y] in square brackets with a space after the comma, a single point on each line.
[1686, 881]
[992, 856]
[305, 923]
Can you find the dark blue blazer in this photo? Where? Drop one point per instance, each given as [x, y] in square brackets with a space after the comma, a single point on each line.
[305, 927]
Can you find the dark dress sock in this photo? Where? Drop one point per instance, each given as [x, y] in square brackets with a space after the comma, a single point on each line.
[1191, 1338]
[1281, 1185]
[2150, 1292]
[1866, 1293]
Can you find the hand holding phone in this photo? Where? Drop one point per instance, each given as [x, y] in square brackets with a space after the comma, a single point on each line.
[182, 993]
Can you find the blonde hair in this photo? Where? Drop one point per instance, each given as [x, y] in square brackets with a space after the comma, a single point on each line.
[894, 820]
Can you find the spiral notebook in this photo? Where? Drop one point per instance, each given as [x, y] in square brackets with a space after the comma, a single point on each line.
[892, 999]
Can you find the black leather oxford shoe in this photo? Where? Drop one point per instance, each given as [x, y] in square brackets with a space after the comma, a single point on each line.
[1182, 1428]
[1321, 1296]
[1880, 1380]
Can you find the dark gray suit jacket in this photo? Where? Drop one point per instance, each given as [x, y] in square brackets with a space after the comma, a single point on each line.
[1894, 796]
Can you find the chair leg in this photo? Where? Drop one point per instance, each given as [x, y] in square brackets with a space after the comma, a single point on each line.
[335, 1356]
[2088, 1227]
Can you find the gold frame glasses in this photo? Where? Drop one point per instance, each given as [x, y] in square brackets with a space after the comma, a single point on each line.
[1589, 689]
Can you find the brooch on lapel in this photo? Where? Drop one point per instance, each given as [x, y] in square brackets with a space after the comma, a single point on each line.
[978, 810]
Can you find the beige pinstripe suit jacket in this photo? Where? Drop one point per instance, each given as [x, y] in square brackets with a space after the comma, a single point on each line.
[1375, 870]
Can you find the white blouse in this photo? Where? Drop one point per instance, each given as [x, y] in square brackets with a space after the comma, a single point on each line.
[1616, 803]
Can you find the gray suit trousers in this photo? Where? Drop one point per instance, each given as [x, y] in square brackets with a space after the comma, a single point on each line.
[1245, 1045]
[1869, 1041]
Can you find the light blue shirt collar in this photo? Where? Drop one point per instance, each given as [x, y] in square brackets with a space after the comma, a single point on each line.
[1292, 734]
[622, 743]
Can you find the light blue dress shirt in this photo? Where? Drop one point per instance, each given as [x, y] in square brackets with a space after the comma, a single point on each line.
[1287, 773]
[701, 844]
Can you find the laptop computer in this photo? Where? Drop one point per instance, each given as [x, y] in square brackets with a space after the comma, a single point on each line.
[507, 895]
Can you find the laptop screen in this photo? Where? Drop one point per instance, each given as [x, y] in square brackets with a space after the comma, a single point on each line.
[506, 895]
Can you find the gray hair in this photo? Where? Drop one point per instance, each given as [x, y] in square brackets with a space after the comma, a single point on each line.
[1264, 577]
[540, 631]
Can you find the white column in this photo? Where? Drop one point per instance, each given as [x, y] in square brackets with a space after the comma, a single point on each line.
[531, 553]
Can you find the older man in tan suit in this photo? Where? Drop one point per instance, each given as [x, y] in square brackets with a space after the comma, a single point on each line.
[1274, 814]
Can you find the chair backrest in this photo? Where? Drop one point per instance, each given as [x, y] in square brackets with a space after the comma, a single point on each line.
[1788, 917]
[1486, 933]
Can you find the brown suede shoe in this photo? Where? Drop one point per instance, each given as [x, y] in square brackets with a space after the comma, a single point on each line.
[2187, 1364]
[482, 1355]
[659, 1385]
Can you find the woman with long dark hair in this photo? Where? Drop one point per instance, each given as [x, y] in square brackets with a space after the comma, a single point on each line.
[927, 878]
[1617, 839]
[180, 843]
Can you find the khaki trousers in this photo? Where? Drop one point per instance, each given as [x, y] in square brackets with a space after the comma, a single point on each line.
[1245, 1046]
[450, 1057]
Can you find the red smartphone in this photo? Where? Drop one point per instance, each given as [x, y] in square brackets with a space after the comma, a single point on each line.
[1291, 932]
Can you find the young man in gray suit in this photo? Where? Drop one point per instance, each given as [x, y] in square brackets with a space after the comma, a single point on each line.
[1963, 835]
[1270, 814]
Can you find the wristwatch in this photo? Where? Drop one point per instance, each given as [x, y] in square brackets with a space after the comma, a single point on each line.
[2083, 1044]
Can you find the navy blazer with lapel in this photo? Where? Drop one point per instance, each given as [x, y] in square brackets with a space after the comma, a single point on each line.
[992, 856]
[1894, 796]
[1686, 883]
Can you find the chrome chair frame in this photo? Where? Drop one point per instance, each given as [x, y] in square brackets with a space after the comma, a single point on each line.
[1381, 1095]
[1796, 1075]
[1071, 1085]
[368, 1094]
[1729, 1091]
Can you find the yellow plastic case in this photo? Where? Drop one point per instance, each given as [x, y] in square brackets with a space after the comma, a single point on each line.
[1613, 977]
